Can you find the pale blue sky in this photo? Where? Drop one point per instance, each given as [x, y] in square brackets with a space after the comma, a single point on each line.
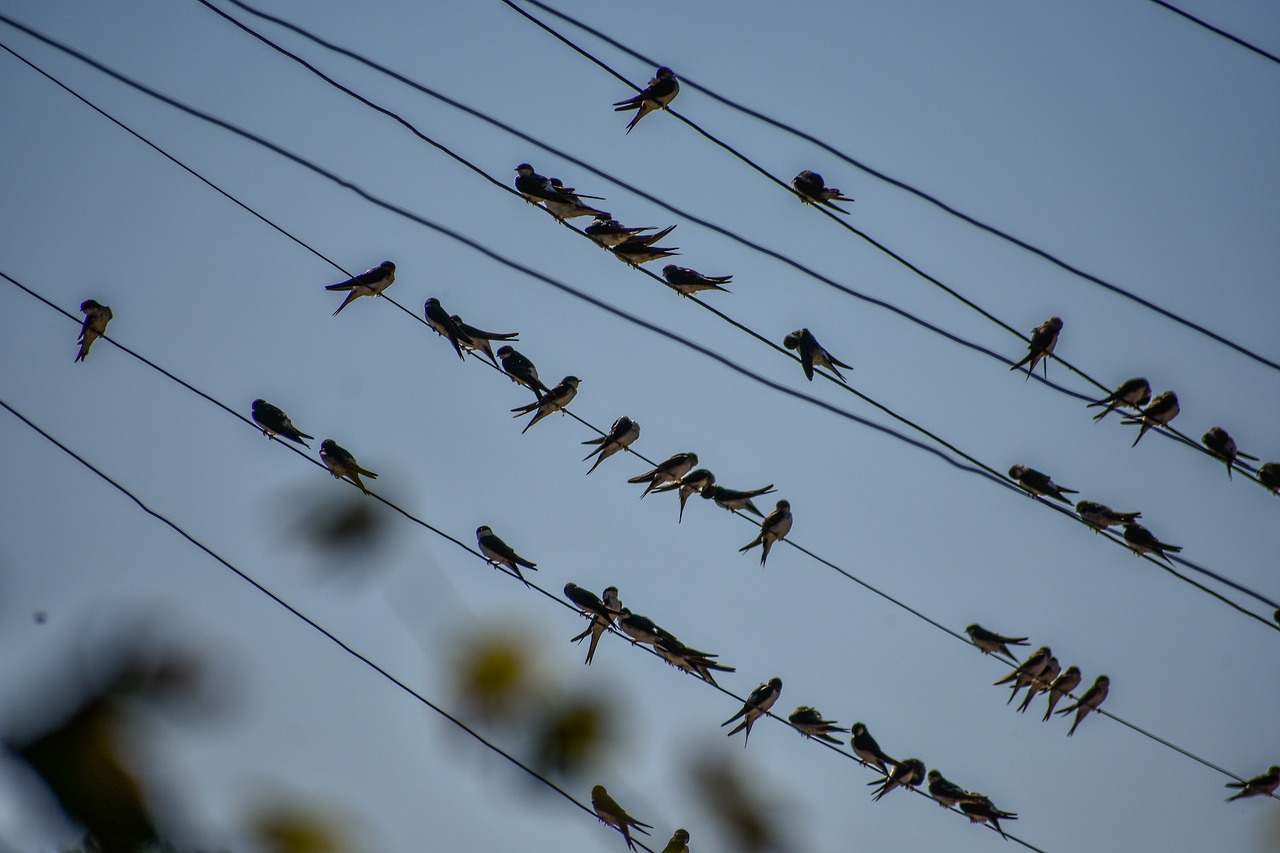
[1124, 138]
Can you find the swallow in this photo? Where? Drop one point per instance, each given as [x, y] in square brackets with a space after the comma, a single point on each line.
[537, 189]
[669, 470]
[597, 610]
[275, 422]
[1043, 339]
[1141, 541]
[342, 464]
[660, 92]
[689, 282]
[695, 481]
[690, 660]
[1041, 684]
[96, 318]
[1163, 409]
[868, 751]
[609, 812]
[1035, 483]
[607, 231]
[948, 794]
[774, 528]
[980, 809]
[1134, 393]
[571, 205]
[808, 721]
[443, 323]
[499, 553]
[1101, 516]
[371, 282]
[813, 190]
[1269, 476]
[640, 249]
[1258, 786]
[1062, 686]
[908, 774]
[521, 370]
[623, 432]
[1028, 671]
[1223, 446]
[990, 642]
[732, 499]
[553, 401]
[679, 842]
[757, 704]
[477, 340]
[1092, 698]
[643, 630]
[812, 354]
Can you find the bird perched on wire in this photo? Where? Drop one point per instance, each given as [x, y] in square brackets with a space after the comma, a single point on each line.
[907, 774]
[991, 643]
[607, 231]
[669, 470]
[521, 370]
[679, 842]
[371, 282]
[809, 722]
[1223, 446]
[275, 422]
[639, 249]
[1101, 516]
[1163, 409]
[980, 809]
[660, 92]
[1263, 785]
[601, 612]
[96, 318]
[868, 751]
[948, 794]
[774, 528]
[756, 706]
[477, 340]
[1134, 393]
[733, 499]
[1041, 684]
[813, 190]
[688, 282]
[1062, 686]
[538, 189]
[620, 436]
[1026, 673]
[1143, 541]
[1043, 339]
[553, 401]
[571, 205]
[609, 812]
[499, 553]
[1269, 476]
[812, 354]
[1038, 484]
[1090, 701]
[441, 321]
[696, 480]
[343, 465]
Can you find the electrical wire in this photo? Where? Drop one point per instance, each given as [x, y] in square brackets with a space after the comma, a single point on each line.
[990, 229]
[982, 469]
[1211, 28]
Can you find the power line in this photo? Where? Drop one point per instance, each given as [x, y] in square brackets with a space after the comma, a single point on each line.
[990, 229]
[1211, 28]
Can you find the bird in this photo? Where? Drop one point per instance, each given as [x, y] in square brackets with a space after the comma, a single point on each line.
[342, 464]
[1043, 339]
[553, 401]
[980, 809]
[620, 436]
[670, 470]
[813, 190]
[607, 231]
[689, 282]
[679, 842]
[477, 340]
[948, 794]
[642, 629]
[907, 774]
[812, 354]
[757, 704]
[1134, 393]
[609, 812]
[695, 481]
[275, 422]
[637, 250]
[1262, 785]
[1036, 483]
[570, 206]
[1269, 476]
[537, 189]
[597, 609]
[1101, 516]
[1092, 698]
[774, 528]
[1028, 671]
[990, 642]
[690, 660]
[1062, 686]
[1141, 541]
[371, 282]
[1223, 446]
[96, 318]
[499, 553]
[808, 721]
[660, 92]
[868, 751]
[733, 499]
[1041, 684]
[1163, 409]
[521, 370]
[442, 322]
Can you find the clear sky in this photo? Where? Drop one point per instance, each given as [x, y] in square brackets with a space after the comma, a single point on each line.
[1127, 140]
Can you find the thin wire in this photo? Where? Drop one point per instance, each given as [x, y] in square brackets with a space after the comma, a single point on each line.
[986, 470]
[316, 626]
[1211, 28]
[990, 229]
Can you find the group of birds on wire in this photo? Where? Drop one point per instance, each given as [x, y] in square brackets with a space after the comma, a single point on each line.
[1039, 673]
